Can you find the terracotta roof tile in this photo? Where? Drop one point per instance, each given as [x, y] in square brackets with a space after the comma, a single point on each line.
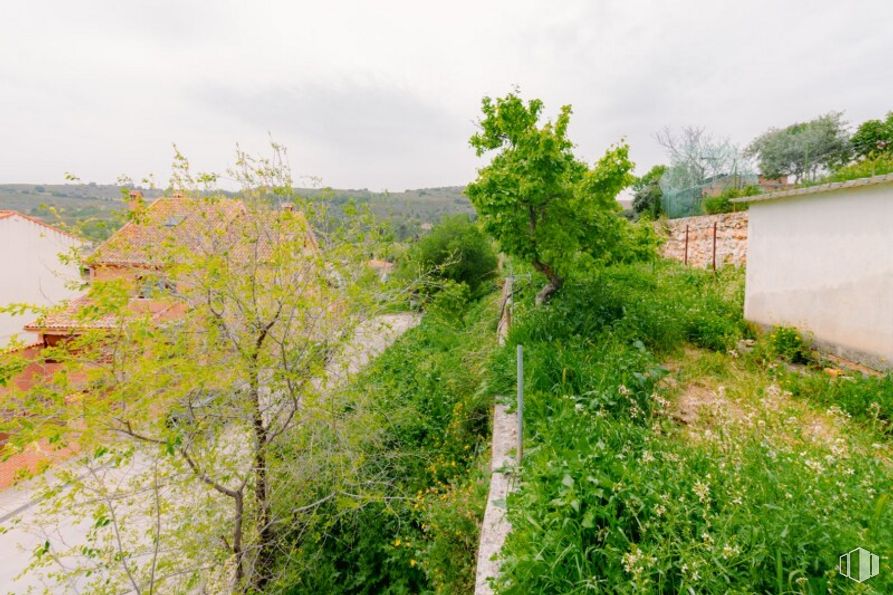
[167, 220]
[75, 316]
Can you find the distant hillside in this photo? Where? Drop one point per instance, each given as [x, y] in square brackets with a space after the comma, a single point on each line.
[97, 210]
[407, 211]
[93, 209]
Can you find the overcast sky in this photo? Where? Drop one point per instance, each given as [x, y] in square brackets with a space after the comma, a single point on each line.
[385, 94]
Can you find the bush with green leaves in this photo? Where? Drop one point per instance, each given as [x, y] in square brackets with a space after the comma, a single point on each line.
[424, 443]
[874, 166]
[874, 138]
[454, 250]
[722, 203]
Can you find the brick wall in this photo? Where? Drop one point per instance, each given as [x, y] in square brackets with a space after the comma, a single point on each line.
[731, 239]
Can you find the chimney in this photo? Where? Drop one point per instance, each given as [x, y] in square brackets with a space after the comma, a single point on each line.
[136, 200]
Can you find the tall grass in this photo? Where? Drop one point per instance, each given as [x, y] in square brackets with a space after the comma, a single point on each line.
[614, 498]
[410, 524]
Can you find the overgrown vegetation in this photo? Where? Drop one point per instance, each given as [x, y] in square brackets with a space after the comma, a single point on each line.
[647, 194]
[425, 445]
[723, 202]
[662, 459]
[457, 251]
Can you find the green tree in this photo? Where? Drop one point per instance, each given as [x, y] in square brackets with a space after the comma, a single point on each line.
[874, 138]
[647, 195]
[804, 149]
[536, 198]
[457, 250]
[205, 413]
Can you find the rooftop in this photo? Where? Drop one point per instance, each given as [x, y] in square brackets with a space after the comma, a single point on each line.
[77, 315]
[872, 181]
[167, 220]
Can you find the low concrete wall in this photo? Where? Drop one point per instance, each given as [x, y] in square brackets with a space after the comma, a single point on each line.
[823, 263]
[731, 239]
[495, 526]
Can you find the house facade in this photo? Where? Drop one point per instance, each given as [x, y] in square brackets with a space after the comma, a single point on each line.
[32, 271]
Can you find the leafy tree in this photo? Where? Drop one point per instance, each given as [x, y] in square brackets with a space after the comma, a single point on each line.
[874, 138]
[457, 250]
[647, 194]
[189, 425]
[803, 149]
[536, 198]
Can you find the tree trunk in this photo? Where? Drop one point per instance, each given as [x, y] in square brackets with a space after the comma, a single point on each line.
[554, 284]
[263, 561]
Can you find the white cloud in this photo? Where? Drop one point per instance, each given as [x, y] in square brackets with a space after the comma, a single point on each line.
[384, 94]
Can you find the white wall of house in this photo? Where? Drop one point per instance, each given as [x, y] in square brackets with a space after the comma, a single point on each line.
[31, 271]
[823, 262]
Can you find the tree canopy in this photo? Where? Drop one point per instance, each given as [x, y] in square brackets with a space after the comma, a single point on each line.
[647, 195]
[874, 138]
[196, 410]
[456, 250]
[803, 149]
[536, 198]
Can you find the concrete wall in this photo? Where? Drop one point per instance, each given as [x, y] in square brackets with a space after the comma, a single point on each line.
[731, 239]
[824, 263]
[30, 270]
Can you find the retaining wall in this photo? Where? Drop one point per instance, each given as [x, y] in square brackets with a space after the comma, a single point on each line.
[731, 239]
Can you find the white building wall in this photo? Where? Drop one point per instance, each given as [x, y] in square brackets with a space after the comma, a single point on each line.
[824, 263]
[31, 271]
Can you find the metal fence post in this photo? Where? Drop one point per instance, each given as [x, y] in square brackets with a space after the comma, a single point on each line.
[520, 402]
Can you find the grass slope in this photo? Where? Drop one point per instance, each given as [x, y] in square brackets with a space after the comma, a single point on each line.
[661, 460]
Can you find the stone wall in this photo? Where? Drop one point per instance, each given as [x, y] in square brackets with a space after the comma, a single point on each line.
[731, 239]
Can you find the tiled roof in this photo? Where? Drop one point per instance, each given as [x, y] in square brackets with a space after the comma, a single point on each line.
[168, 220]
[76, 315]
[36, 221]
[872, 181]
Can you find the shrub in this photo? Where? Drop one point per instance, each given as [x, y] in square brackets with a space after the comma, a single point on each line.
[713, 205]
[876, 166]
[784, 344]
[455, 250]
[422, 421]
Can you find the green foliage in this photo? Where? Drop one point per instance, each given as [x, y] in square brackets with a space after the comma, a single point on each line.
[803, 149]
[874, 166]
[455, 250]
[723, 202]
[647, 195]
[874, 138]
[786, 343]
[540, 202]
[614, 500]
[867, 398]
[425, 448]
